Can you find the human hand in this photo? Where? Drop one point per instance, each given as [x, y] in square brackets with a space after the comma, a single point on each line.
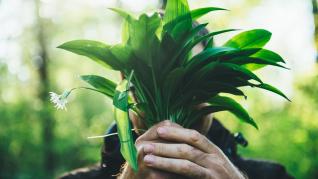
[167, 150]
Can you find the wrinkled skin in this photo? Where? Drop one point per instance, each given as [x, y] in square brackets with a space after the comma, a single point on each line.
[168, 150]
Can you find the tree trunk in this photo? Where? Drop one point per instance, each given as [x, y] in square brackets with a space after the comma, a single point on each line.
[43, 92]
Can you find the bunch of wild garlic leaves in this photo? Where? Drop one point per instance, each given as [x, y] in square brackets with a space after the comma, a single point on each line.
[168, 81]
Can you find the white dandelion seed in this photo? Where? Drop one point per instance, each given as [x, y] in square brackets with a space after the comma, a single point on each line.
[60, 101]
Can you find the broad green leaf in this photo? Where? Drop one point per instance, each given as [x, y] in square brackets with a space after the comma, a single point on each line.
[249, 39]
[94, 50]
[265, 55]
[231, 105]
[124, 54]
[144, 40]
[174, 10]
[127, 147]
[268, 55]
[179, 31]
[102, 84]
[272, 89]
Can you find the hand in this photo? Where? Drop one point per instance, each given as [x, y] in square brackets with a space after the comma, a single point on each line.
[191, 155]
[169, 149]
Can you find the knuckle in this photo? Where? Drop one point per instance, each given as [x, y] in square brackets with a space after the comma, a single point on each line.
[184, 150]
[166, 123]
[187, 166]
[211, 158]
[198, 155]
[195, 136]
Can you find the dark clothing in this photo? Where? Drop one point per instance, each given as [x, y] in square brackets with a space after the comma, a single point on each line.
[227, 142]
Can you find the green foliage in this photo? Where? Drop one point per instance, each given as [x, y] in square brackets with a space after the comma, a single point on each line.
[170, 82]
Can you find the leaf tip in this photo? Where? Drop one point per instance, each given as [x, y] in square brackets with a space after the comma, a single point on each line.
[254, 124]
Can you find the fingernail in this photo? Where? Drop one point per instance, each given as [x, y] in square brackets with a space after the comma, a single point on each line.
[149, 148]
[149, 159]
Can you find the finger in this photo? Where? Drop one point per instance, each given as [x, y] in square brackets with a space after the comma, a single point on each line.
[180, 151]
[151, 134]
[189, 136]
[178, 166]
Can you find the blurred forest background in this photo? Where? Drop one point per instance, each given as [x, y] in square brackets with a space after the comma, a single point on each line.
[37, 141]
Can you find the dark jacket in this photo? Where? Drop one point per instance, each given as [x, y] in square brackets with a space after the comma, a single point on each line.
[226, 141]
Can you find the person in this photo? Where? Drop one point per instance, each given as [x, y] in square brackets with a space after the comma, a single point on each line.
[167, 150]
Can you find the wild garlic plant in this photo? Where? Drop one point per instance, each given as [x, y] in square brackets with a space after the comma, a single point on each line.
[169, 81]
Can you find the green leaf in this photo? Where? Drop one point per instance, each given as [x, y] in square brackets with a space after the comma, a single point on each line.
[124, 54]
[249, 39]
[173, 82]
[125, 32]
[127, 147]
[194, 15]
[197, 13]
[174, 10]
[239, 53]
[94, 50]
[221, 87]
[125, 26]
[251, 60]
[231, 105]
[216, 72]
[242, 71]
[124, 14]
[188, 47]
[266, 55]
[272, 89]
[144, 40]
[173, 49]
[102, 84]
[201, 59]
